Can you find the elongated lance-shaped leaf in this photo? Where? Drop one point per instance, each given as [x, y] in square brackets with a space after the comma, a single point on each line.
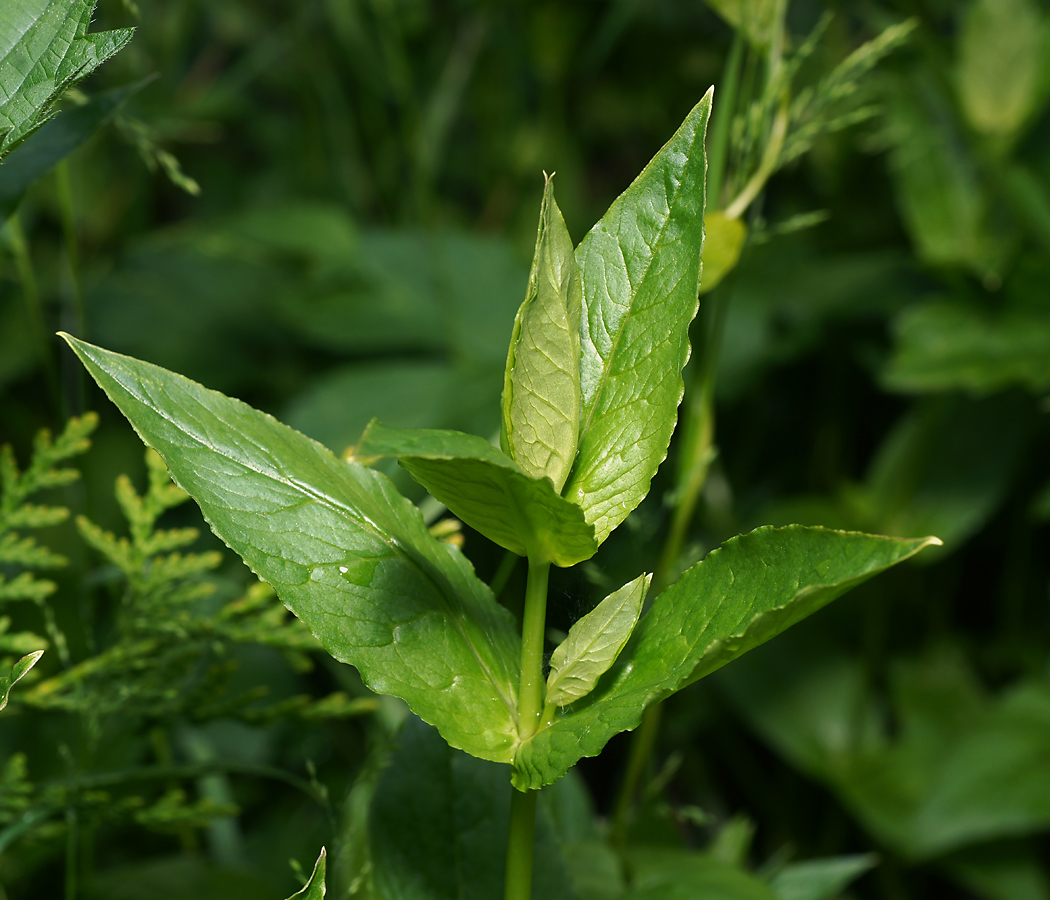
[541, 388]
[18, 672]
[45, 49]
[315, 888]
[594, 642]
[747, 591]
[488, 491]
[346, 553]
[640, 267]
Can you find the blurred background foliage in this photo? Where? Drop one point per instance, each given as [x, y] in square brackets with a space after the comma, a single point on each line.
[327, 208]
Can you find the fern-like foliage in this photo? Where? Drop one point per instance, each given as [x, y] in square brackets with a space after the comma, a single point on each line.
[22, 556]
[170, 652]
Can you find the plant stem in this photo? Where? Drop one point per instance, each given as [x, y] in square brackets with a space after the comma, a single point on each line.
[534, 621]
[721, 123]
[69, 233]
[520, 841]
[522, 834]
[641, 749]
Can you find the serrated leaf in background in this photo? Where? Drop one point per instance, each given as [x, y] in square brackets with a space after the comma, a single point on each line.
[44, 50]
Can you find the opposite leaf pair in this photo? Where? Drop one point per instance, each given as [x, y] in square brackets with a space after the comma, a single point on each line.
[593, 378]
[585, 427]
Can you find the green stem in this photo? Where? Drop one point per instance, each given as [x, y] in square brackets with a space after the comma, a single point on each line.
[522, 834]
[71, 853]
[533, 629]
[722, 121]
[69, 233]
[520, 841]
[641, 749]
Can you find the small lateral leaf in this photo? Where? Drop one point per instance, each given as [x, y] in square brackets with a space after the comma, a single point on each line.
[488, 490]
[343, 549]
[640, 267]
[541, 389]
[594, 642]
[315, 888]
[18, 672]
[739, 596]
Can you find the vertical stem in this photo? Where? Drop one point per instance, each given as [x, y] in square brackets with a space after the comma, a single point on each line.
[722, 121]
[641, 749]
[520, 841]
[521, 836]
[71, 853]
[69, 233]
[530, 693]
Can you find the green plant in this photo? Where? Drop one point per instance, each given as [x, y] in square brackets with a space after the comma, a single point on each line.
[592, 387]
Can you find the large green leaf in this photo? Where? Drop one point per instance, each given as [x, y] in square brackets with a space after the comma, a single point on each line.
[17, 673]
[541, 390]
[438, 826]
[56, 140]
[314, 889]
[346, 553]
[741, 595]
[640, 267]
[488, 491]
[44, 49]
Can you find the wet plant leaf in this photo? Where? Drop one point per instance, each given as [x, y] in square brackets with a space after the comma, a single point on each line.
[741, 595]
[640, 267]
[345, 552]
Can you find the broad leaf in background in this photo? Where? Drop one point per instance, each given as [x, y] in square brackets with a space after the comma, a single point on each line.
[820, 879]
[488, 491]
[744, 593]
[640, 267]
[939, 192]
[1000, 56]
[667, 874]
[345, 552]
[541, 388]
[44, 50]
[594, 642]
[950, 346]
[960, 769]
[314, 889]
[438, 826]
[17, 673]
[944, 468]
[56, 140]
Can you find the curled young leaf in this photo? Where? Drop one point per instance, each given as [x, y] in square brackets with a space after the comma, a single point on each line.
[541, 389]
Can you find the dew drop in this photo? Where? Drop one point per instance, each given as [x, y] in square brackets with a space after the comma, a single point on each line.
[343, 569]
